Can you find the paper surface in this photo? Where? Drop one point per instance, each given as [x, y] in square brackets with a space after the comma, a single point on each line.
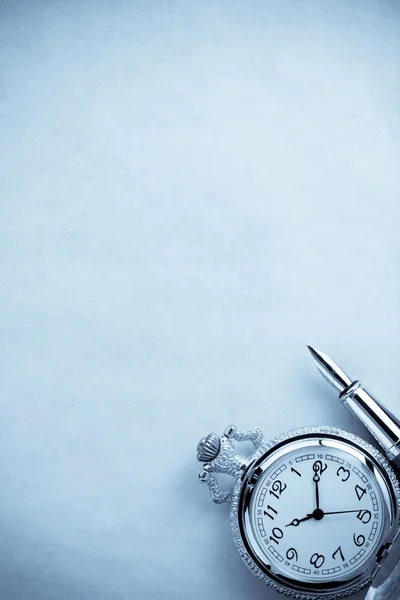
[191, 192]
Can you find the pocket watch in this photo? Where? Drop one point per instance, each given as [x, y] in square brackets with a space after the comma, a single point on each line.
[315, 511]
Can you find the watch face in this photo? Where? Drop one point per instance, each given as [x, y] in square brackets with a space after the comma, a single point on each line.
[316, 510]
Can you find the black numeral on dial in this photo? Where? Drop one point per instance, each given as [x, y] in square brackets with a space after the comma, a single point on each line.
[292, 554]
[364, 516]
[317, 560]
[294, 471]
[277, 488]
[359, 540]
[277, 534]
[338, 551]
[319, 468]
[267, 514]
[344, 473]
[360, 492]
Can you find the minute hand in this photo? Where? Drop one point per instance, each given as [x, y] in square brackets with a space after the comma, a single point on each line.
[342, 512]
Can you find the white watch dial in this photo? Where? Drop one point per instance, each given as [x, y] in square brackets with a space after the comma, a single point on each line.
[317, 512]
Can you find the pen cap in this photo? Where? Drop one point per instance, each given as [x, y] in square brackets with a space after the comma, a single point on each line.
[379, 421]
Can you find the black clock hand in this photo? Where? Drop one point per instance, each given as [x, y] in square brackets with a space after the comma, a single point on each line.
[316, 480]
[342, 512]
[296, 522]
[319, 514]
[318, 469]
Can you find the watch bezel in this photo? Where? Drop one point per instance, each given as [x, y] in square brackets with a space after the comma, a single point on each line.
[239, 518]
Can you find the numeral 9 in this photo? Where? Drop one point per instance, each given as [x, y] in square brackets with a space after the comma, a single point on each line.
[292, 554]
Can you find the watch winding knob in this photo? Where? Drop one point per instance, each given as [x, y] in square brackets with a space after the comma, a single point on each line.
[208, 448]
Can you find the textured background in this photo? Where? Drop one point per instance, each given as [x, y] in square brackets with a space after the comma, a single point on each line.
[190, 193]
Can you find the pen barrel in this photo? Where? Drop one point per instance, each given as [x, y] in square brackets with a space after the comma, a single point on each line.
[379, 421]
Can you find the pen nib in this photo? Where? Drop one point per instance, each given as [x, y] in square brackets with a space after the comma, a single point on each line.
[330, 370]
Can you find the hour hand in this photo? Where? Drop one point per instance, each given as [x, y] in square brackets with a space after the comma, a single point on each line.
[296, 522]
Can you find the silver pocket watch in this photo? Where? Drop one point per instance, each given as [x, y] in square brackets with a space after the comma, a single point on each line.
[315, 511]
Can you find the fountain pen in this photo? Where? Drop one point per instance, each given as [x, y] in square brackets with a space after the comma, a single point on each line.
[379, 421]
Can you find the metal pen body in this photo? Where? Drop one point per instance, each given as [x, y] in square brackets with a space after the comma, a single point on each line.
[379, 421]
[385, 428]
[375, 417]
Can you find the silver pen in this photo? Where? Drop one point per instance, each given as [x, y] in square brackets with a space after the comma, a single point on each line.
[379, 421]
[385, 428]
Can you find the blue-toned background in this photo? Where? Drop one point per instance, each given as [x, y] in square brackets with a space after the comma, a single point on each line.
[190, 193]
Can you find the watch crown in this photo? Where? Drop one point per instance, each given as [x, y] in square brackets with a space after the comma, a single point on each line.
[208, 448]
